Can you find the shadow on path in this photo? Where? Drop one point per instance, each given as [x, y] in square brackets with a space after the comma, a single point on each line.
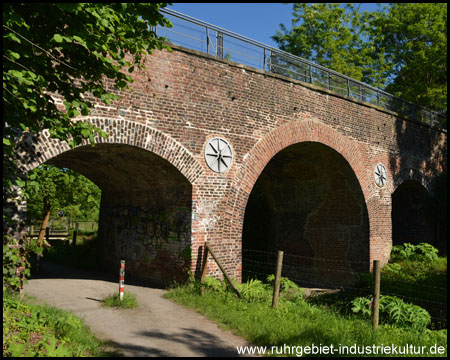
[51, 270]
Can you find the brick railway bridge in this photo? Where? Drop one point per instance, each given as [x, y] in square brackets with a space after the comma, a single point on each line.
[205, 148]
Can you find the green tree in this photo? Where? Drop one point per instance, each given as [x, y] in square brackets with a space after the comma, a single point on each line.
[414, 39]
[66, 190]
[73, 50]
[49, 185]
[335, 36]
[69, 49]
[401, 48]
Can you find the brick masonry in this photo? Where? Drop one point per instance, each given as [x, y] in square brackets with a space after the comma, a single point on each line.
[157, 134]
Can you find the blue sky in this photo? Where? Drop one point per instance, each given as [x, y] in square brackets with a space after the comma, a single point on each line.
[255, 21]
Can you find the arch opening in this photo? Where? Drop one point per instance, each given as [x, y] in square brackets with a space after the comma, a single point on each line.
[145, 210]
[307, 202]
[412, 221]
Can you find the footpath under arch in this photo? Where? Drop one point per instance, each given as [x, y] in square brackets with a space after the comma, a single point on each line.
[146, 180]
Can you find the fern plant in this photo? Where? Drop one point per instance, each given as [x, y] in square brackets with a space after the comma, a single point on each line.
[394, 311]
[422, 251]
[255, 290]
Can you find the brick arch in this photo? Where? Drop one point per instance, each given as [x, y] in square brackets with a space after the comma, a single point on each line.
[275, 141]
[120, 131]
[410, 173]
[295, 132]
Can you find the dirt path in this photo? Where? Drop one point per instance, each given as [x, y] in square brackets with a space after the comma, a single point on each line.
[157, 328]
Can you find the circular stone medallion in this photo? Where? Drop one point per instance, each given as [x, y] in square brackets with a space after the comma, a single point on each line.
[380, 175]
[218, 155]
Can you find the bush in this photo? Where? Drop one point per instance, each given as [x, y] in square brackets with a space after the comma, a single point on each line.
[394, 311]
[422, 251]
[16, 267]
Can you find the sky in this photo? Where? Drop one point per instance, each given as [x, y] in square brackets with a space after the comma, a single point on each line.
[255, 21]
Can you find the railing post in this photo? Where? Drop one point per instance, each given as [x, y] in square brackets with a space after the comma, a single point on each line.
[207, 40]
[264, 59]
[219, 44]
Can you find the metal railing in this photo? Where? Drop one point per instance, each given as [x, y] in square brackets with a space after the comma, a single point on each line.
[213, 40]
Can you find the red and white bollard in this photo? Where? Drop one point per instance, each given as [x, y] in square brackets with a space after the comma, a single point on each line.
[122, 278]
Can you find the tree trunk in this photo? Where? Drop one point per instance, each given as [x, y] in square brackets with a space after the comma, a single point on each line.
[45, 221]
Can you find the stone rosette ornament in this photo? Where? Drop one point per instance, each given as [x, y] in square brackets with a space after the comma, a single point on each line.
[218, 155]
[380, 175]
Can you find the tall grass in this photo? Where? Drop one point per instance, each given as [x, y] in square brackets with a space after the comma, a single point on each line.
[296, 322]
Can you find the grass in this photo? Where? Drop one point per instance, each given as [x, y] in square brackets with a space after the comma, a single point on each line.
[296, 322]
[31, 329]
[129, 301]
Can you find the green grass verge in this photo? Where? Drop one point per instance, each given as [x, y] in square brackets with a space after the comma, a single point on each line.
[296, 322]
[129, 301]
[31, 329]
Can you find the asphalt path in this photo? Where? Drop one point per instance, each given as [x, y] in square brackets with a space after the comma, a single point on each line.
[158, 327]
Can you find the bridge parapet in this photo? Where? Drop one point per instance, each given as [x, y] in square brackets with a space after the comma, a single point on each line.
[213, 40]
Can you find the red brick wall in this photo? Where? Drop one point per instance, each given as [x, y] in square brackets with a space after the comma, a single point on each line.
[185, 98]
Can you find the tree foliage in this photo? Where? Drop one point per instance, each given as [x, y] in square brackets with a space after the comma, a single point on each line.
[414, 39]
[69, 49]
[66, 190]
[336, 37]
[401, 47]
[66, 52]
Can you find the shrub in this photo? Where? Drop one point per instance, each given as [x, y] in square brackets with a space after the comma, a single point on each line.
[394, 311]
[422, 251]
[16, 267]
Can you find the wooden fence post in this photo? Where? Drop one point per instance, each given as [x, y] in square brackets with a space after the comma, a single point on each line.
[204, 266]
[205, 263]
[74, 239]
[276, 287]
[223, 271]
[376, 294]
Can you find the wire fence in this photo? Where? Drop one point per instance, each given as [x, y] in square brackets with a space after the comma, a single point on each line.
[62, 225]
[345, 275]
[213, 40]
